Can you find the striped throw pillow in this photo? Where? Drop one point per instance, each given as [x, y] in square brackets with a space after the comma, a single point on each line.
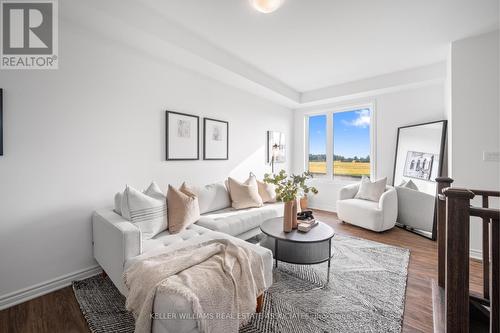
[146, 211]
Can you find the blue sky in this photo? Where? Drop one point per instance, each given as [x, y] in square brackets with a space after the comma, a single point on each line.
[351, 133]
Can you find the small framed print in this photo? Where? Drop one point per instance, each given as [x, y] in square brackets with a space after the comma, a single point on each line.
[182, 136]
[216, 139]
[419, 165]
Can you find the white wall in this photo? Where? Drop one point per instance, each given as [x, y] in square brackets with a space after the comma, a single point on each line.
[392, 110]
[75, 136]
[475, 117]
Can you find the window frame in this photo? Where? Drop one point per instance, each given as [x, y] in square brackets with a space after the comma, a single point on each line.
[329, 140]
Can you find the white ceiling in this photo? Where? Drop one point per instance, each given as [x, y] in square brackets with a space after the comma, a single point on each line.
[313, 44]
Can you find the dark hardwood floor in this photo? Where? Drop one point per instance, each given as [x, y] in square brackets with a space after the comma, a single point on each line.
[422, 268]
[59, 311]
[52, 313]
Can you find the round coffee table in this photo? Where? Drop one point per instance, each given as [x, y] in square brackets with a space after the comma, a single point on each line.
[296, 247]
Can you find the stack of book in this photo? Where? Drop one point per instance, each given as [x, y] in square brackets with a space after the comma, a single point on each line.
[307, 224]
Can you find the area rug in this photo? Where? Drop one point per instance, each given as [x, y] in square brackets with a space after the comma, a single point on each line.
[366, 293]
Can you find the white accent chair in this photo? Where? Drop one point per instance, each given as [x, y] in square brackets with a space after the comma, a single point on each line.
[376, 216]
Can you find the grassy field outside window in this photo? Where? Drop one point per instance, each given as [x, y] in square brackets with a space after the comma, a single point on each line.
[351, 169]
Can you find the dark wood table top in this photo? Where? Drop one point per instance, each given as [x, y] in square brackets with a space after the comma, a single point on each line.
[274, 228]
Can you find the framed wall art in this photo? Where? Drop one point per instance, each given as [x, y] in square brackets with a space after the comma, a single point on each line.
[215, 139]
[276, 147]
[182, 136]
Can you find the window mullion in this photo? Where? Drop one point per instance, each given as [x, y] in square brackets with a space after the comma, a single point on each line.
[305, 165]
[329, 145]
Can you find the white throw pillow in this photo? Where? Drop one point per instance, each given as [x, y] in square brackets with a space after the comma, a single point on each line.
[409, 184]
[154, 191]
[371, 190]
[211, 197]
[118, 203]
[148, 213]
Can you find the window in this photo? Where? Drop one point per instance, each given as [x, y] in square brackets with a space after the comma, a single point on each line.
[351, 144]
[317, 144]
[340, 144]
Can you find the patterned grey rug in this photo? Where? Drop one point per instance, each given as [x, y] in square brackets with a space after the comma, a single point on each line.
[366, 293]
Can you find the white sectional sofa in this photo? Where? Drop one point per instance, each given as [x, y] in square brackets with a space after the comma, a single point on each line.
[242, 223]
[118, 244]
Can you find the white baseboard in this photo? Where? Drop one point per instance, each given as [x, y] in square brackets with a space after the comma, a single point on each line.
[46, 287]
[325, 207]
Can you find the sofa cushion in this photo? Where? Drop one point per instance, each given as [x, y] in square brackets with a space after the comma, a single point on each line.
[235, 222]
[166, 238]
[211, 197]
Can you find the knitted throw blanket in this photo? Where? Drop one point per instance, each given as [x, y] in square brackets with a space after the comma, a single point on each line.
[220, 279]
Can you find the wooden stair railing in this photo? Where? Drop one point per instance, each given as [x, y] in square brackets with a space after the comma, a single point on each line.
[454, 211]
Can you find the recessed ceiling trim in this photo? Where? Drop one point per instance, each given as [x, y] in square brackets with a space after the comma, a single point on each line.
[141, 28]
[403, 78]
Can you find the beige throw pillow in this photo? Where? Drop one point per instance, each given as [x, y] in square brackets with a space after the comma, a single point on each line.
[183, 209]
[244, 195]
[267, 191]
[371, 190]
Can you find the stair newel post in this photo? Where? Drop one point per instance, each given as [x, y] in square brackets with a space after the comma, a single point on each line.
[442, 183]
[457, 259]
[495, 277]
[486, 251]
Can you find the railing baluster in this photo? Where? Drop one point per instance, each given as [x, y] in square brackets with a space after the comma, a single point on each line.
[442, 183]
[495, 277]
[457, 260]
[486, 252]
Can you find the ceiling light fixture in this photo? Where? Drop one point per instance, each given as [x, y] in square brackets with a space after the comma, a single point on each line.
[266, 6]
